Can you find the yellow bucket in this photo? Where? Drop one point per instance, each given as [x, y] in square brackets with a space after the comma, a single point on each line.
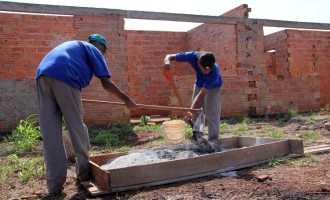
[174, 131]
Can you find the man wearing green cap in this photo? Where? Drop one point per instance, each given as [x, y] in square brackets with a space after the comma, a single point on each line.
[61, 75]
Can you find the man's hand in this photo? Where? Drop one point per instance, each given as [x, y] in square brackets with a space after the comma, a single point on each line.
[167, 67]
[188, 116]
[167, 61]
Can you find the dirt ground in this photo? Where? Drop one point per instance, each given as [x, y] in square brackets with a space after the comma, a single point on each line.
[300, 178]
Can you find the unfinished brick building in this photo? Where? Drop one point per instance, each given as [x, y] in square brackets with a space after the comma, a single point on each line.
[287, 69]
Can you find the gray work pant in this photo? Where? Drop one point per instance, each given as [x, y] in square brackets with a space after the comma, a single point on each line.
[57, 99]
[212, 110]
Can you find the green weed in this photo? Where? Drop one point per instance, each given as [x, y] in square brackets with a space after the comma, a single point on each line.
[25, 169]
[224, 127]
[273, 162]
[125, 149]
[240, 129]
[188, 131]
[292, 112]
[276, 133]
[308, 160]
[311, 137]
[25, 136]
[238, 119]
[120, 128]
[145, 120]
[105, 137]
[153, 127]
[159, 140]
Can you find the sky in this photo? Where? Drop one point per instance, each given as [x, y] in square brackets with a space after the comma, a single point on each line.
[288, 10]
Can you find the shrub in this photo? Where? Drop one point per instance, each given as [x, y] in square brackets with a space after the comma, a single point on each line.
[25, 136]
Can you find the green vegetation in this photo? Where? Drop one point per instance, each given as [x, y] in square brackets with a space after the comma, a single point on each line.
[156, 142]
[188, 131]
[224, 127]
[145, 120]
[238, 119]
[311, 137]
[25, 169]
[124, 149]
[277, 133]
[21, 156]
[308, 160]
[293, 112]
[109, 136]
[26, 135]
[273, 162]
[152, 127]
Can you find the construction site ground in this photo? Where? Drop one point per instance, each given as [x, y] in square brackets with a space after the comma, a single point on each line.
[299, 178]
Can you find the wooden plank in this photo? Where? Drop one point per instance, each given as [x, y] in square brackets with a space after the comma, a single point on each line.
[150, 107]
[97, 190]
[70, 10]
[104, 158]
[252, 141]
[101, 177]
[186, 167]
[162, 172]
[318, 149]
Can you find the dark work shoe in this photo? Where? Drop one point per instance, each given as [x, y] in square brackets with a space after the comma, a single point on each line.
[54, 196]
[85, 177]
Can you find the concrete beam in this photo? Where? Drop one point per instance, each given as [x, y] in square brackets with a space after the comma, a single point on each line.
[70, 10]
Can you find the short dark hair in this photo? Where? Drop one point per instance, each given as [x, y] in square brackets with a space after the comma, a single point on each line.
[207, 60]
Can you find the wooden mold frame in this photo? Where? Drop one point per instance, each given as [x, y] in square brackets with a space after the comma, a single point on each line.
[245, 152]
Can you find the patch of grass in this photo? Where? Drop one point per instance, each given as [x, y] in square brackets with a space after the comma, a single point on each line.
[24, 169]
[238, 119]
[124, 149]
[224, 127]
[144, 120]
[120, 128]
[308, 160]
[153, 127]
[311, 136]
[241, 129]
[277, 133]
[25, 136]
[188, 131]
[109, 136]
[273, 162]
[157, 142]
[292, 112]
[105, 137]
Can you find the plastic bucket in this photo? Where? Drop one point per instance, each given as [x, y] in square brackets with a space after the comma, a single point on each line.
[174, 131]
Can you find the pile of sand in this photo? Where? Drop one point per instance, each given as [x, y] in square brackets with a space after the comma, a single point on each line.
[148, 156]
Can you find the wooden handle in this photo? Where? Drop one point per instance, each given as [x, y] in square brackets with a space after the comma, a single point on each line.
[151, 107]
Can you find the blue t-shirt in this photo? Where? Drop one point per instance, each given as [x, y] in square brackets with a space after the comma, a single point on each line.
[208, 81]
[74, 63]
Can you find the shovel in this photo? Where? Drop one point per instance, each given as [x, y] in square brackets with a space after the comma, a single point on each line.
[197, 138]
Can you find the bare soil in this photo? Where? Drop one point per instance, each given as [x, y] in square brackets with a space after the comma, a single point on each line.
[301, 178]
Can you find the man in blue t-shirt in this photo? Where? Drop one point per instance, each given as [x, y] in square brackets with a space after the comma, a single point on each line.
[207, 88]
[61, 75]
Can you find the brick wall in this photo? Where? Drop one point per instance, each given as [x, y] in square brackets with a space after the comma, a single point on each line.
[146, 51]
[239, 52]
[298, 70]
[112, 28]
[24, 40]
[296, 74]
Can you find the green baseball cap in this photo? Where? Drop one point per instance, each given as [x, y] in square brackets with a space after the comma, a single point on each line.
[97, 38]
